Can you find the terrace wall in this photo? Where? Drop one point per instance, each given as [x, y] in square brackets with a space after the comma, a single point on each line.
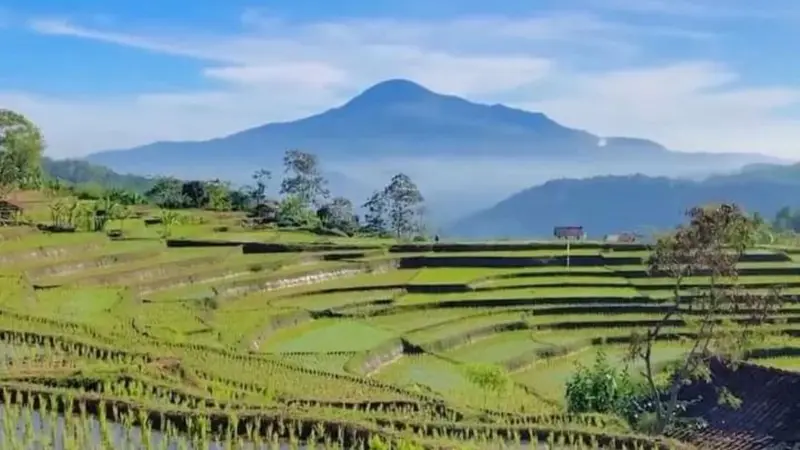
[183, 243]
[417, 262]
[511, 247]
[370, 361]
[455, 340]
[46, 252]
[264, 247]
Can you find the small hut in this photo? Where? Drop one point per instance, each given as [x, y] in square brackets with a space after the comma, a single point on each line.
[10, 212]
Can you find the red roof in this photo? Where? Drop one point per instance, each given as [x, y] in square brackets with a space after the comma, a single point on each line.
[11, 203]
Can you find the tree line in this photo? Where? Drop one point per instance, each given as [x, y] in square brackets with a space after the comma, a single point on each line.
[304, 201]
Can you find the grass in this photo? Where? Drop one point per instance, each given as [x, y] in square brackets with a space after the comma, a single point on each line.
[467, 324]
[404, 322]
[322, 340]
[548, 377]
[527, 293]
[559, 280]
[498, 348]
[325, 336]
[40, 240]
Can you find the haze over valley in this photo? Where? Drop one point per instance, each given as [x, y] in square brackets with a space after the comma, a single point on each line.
[453, 148]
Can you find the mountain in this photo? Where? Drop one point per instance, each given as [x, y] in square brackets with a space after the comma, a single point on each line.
[76, 171]
[766, 172]
[613, 204]
[443, 142]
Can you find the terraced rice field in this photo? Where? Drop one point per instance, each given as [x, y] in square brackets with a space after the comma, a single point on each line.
[360, 336]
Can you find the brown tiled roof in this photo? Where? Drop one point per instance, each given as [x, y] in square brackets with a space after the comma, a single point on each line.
[767, 418]
[12, 203]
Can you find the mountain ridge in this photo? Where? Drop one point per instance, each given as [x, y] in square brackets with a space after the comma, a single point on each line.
[408, 100]
[399, 125]
[614, 204]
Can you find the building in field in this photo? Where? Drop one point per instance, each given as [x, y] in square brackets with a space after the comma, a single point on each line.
[10, 212]
[569, 232]
[626, 238]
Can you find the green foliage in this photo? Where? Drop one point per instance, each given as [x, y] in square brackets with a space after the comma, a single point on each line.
[219, 198]
[376, 443]
[169, 219]
[258, 193]
[21, 148]
[601, 388]
[404, 205]
[712, 243]
[787, 220]
[293, 212]
[77, 173]
[397, 207]
[194, 193]
[304, 181]
[338, 214]
[167, 192]
[490, 378]
[375, 219]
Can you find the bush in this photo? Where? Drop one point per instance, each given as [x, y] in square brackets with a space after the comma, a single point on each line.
[603, 388]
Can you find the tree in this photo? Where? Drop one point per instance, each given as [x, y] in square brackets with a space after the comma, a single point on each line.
[21, 148]
[218, 193]
[100, 212]
[292, 212]
[601, 388]
[259, 192]
[787, 220]
[195, 194]
[241, 199]
[404, 204]
[338, 215]
[122, 213]
[305, 180]
[490, 378]
[126, 197]
[167, 192]
[169, 219]
[375, 217]
[710, 244]
[63, 212]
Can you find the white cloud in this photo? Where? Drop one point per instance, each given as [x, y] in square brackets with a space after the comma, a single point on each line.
[690, 106]
[584, 70]
[705, 9]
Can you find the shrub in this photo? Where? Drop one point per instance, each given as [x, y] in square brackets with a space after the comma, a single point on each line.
[603, 388]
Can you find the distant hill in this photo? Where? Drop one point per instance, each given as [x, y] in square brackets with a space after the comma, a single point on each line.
[81, 172]
[442, 141]
[612, 204]
[763, 172]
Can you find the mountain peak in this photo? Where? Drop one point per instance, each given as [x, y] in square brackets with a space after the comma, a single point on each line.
[392, 91]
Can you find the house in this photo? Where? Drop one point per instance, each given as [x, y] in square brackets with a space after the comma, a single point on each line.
[570, 232]
[10, 212]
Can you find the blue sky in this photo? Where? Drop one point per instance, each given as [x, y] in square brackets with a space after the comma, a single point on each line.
[711, 75]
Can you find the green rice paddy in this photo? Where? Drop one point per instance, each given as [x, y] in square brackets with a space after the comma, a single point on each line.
[264, 330]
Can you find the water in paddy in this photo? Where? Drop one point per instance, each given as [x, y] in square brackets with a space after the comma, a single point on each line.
[27, 430]
[37, 433]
